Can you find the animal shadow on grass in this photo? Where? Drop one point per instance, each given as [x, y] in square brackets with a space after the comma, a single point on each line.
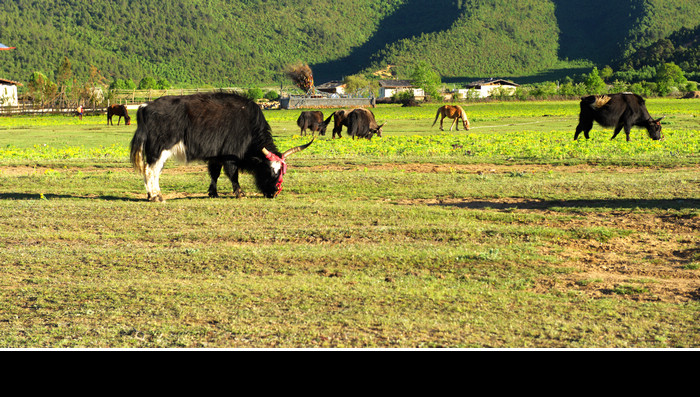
[50, 196]
[533, 204]
[141, 198]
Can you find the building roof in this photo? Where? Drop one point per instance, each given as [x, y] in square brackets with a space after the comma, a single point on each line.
[10, 82]
[330, 85]
[396, 84]
[491, 81]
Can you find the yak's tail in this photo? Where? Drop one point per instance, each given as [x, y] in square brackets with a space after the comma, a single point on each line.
[138, 160]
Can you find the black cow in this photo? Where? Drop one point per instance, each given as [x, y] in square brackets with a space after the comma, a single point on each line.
[313, 120]
[222, 129]
[361, 124]
[340, 119]
[118, 110]
[622, 110]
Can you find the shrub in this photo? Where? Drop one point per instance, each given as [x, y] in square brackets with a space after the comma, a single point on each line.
[272, 95]
[254, 93]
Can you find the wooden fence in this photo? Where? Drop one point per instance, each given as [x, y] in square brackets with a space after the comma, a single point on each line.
[122, 97]
[132, 97]
[25, 109]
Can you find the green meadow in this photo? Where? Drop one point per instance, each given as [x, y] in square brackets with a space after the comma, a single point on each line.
[509, 235]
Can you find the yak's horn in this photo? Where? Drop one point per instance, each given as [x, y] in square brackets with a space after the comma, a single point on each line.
[297, 149]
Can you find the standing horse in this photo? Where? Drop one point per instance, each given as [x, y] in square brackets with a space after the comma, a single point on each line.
[453, 112]
[118, 110]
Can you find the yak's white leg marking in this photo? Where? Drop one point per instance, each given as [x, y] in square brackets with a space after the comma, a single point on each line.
[179, 151]
[152, 174]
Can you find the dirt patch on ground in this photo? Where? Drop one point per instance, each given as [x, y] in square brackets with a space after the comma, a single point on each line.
[653, 259]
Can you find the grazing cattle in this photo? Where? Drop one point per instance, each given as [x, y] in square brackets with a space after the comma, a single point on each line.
[361, 124]
[452, 112]
[313, 120]
[118, 110]
[622, 110]
[340, 119]
[222, 129]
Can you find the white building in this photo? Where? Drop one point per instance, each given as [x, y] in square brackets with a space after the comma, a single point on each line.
[8, 92]
[485, 88]
[387, 88]
[332, 87]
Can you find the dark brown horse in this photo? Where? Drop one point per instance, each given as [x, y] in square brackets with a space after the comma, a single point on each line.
[118, 110]
[453, 112]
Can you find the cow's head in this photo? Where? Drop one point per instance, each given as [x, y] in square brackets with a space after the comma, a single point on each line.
[654, 128]
[269, 179]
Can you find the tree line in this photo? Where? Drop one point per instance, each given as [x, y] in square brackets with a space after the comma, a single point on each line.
[191, 43]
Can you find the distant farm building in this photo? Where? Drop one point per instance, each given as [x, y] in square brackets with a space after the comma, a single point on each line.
[332, 87]
[388, 88]
[486, 88]
[8, 92]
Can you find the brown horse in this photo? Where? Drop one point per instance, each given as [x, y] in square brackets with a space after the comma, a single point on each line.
[453, 112]
[118, 110]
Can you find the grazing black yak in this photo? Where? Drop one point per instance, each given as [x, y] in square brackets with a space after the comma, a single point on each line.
[617, 110]
[224, 130]
[361, 124]
[313, 120]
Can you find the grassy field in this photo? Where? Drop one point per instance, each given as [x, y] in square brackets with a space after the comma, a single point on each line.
[510, 235]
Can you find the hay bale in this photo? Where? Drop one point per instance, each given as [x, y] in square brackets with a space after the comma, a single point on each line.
[301, 76]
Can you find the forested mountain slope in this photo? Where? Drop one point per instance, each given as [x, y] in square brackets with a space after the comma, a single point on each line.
[225, 42]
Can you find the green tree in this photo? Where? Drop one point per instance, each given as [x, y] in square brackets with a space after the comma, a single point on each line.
[148, 83]
[41, 88]
[357, 83]
[595, 83]
[272, 95]
[426, 78]
[669, 76]
[606, 74]
[64, 81]
[163, 84]
[254, 93]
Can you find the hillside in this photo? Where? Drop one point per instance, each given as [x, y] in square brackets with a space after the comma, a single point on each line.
[681, 48]
[247, 42]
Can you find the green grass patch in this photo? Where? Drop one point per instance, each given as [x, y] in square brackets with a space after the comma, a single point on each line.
[404, 241]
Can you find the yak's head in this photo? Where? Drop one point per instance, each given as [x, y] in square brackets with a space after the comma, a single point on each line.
[377, 131]
[654, 128]
[269, 177]
[323, 125]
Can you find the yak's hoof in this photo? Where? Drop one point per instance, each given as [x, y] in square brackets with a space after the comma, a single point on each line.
[156, 199]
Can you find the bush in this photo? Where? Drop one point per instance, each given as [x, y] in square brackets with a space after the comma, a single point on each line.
[595, 83]
[272, 95]
[147, 83]
[163, 84]
[254, 93]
